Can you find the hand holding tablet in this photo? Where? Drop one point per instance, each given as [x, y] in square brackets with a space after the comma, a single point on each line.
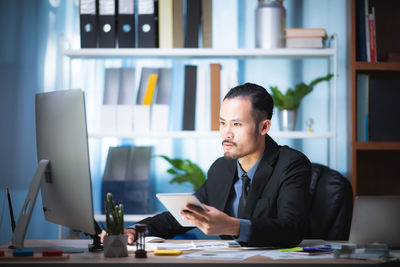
[175, 202]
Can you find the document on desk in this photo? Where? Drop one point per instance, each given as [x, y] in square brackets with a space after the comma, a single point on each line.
[213, 254]
[276, 254]
[182, 246]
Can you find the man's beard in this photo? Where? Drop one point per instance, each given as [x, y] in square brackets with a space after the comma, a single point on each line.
[230, 155]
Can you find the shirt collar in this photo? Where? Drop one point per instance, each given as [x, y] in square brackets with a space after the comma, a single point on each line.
[251, 172]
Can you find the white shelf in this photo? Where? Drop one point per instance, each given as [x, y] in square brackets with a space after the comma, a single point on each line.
[204, 135]
[211, 53]
[100, 53]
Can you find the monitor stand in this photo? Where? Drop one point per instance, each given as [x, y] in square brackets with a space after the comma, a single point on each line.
[17, 242]
[24, 218]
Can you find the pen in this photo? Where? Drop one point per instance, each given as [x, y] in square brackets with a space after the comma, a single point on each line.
[10, 209]
[291, 249]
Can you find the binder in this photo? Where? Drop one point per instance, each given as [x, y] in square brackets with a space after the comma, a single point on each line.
[192, 23]
[189, 105]
[147, 30]
[215, 81]
[384, 111]
[126, 23]
[206, 23]
[177, 23]
[107, 23]
[165, 9]
[88, 23]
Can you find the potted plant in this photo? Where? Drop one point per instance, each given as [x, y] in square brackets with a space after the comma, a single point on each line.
[185, 171]
[288, 104]
[115, 241]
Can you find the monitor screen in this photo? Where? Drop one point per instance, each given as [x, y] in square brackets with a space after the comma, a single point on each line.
[63, 174]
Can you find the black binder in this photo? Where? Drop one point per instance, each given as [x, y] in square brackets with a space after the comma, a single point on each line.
[189, 105]
[148, 20]
[384, 111]
[88, 23]
[107, 23]
[193, 16]
[126, 23]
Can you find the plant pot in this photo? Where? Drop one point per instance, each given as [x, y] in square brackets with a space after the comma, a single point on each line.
[287, 119]
[115, 246]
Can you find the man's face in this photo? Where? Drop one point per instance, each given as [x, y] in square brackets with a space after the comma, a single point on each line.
[237, 128]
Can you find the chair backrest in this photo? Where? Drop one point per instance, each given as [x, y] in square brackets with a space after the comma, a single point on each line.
[331, 204]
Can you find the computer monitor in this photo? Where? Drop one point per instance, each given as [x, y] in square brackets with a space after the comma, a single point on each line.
[63, 172]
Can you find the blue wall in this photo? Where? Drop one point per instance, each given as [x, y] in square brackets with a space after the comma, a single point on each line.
[29, 64]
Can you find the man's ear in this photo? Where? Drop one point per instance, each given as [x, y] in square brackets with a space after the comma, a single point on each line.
[265, 125]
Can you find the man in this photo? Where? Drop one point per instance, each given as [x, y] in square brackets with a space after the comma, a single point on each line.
[257, 193]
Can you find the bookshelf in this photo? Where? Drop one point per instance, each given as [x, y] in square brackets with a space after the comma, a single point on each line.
[375, 164]
[211, 54]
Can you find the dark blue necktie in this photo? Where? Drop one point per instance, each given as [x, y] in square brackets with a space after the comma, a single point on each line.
[243, 197]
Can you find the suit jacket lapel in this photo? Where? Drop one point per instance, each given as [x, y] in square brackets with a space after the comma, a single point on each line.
[262, 175]
[228, 176]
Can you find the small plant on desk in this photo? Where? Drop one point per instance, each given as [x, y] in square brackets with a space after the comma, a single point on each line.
[115, 241]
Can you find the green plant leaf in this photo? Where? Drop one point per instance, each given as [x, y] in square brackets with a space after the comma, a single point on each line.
[184, 170]
[292, 99]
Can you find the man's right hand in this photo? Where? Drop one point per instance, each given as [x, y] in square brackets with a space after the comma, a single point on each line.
[131, 235]
[130, 232]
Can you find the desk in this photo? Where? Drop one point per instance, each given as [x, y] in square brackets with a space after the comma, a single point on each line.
[88, 258]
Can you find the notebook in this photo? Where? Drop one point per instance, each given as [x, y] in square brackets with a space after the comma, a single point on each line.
[376, 219]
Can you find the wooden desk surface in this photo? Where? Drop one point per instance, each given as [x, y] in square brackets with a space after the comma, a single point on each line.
[87, 258]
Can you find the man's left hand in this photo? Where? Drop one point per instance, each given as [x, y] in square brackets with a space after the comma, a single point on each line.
[211, 221]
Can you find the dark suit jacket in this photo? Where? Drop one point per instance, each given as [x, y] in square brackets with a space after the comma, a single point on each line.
[277, 204]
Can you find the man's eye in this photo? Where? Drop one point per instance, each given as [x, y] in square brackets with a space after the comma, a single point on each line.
[221, 123]
[237, 124]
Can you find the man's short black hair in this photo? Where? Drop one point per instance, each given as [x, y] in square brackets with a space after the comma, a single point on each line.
[261, 100]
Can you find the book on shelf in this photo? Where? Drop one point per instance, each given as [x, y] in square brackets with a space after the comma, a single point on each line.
[372, 35]
[193, 21]
[305, 37]
[305, 32]
[305, 42]
[361, 54]
[362, 106]
[367, 36]
[165, 23]
[215, 83]
[206, 23]
[366, 32]
[384, 111]
[189, 104]
[177, 24]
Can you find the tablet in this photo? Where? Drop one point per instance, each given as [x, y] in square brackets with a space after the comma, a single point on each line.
[176, 202]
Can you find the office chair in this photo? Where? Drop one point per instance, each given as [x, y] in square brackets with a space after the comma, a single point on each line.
[331, 204]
